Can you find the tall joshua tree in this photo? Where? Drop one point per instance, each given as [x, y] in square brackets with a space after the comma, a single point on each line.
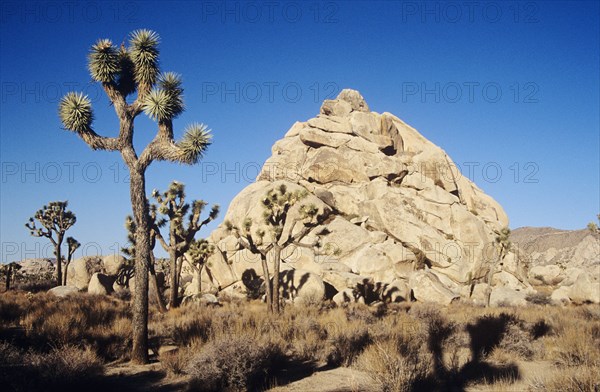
[503, 246]
[72, 246]
[276, 208]
[122, 72]
[172, 204]
[55, 220]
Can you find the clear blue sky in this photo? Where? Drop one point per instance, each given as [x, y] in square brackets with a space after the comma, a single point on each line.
[510, 86]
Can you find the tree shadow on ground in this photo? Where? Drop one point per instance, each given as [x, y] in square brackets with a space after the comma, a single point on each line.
[485, 334]
[149, 380]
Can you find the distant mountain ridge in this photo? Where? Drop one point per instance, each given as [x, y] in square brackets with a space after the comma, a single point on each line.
[548, 245]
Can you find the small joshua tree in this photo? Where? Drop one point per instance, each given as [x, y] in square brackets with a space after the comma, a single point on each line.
[129, 251]
[72, 245]
[10, 270]
[55, 220]
[172, 205]
[593, 227]
[197, 257]
[503, 245]
[276, 204]
[122, 72]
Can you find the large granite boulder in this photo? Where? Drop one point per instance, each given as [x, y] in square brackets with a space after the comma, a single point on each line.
[394, 209]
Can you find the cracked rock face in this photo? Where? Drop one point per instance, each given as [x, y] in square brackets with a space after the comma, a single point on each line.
[398, 211]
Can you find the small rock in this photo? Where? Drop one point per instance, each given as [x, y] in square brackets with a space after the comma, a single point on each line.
[167, 350]
[63, 291]
[100, 284]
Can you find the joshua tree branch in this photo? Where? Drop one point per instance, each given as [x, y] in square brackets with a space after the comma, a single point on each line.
[97, 142]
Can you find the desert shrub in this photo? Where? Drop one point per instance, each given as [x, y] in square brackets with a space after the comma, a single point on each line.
[397, 363]
[582, 379]
[576, 347]
[347, 344]
[10, 311]
[234, 363]
[540, 329]
[175, 363]
[191, 329]
[64, 368]
[538, 298]
[102, 323]
[517, 340]
[589, 312]
[359, 312]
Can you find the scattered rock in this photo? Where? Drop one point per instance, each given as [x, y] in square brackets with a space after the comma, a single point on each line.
[426, 287]
[80, 271]
[585, 289]
[504, 296]
[63, 291]
[207, 299]
[560, 296]
[344, 296]
[112, 264]
[546, 274]
[100, 284]
[167, 350]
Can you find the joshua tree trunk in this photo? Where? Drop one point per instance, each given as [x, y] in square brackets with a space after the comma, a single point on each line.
[179, 268]
[154, 282]
[174, 291]
[276, 262]
[59, 279]
[8, 273]
[139, 203]
[66, 272]
[265, 267]
[198, 274]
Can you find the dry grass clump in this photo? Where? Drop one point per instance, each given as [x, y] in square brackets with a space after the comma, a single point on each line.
[102, 323]
[347, 344]
[583, 379]
[236, 363]
[576, 346]
[539, 298]
[65, 368]
[175, 363]
[397, 362]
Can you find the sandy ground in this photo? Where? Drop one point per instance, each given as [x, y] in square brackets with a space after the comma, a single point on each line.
[150, 378]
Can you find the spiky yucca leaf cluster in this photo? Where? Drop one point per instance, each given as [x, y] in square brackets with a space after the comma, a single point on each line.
[196, 140]
[103, 61]
[166, 102]
[503, 240]
[144, 54]
[200, 251]
[157, 105]
[170, 82]
[73, 244]
[75, 111]
[126, 76]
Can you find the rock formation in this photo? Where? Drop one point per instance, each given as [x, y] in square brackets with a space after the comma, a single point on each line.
[567, 261]
[397, 216]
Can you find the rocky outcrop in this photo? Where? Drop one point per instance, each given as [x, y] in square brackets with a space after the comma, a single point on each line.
[566, 260]
[395, 209]
[37, 267]
[80, 271]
